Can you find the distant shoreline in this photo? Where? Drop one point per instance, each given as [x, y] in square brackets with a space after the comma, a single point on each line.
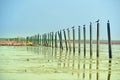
[14, 43]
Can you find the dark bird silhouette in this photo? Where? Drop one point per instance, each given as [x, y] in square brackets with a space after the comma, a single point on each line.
[73, 27]
[84, 25]
[97, 20]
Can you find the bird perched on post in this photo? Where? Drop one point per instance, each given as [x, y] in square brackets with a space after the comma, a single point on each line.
[73, 27]
[84, 25]
[97, 20]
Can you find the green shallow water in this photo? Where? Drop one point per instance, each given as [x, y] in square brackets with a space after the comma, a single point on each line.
[45, 63]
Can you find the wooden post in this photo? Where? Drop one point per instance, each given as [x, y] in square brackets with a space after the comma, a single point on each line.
[52, 39]
[69, 39]
[38, 39]
[79, 40]
[90, 40]
[98, 38]
[84, 32]
[73, 40]
[109, 40]
[65, 39]
[61, 40]
[56, 40]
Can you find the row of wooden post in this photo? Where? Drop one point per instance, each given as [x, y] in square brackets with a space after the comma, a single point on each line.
[48, 39]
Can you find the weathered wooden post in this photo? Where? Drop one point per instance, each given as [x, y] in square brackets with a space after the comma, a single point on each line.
[79, 40]
[38, 39]
[65, 39]
[109, 40]
[69, 39]
[84, 32]
[90, 40]
[73, 40]
[56, 40]
[61, 39]
[98, 38]
[48, 39]
[52, 39]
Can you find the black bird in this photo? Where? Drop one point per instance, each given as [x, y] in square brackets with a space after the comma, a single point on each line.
[84, 25]
[73, 27]
[97, 20]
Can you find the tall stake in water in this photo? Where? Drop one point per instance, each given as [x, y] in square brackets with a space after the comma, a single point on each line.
[90, 40]
[98, 37]
[65, 39]
[38, 39]
[61, 39]
[69, 39]
[52, 39]
[56, 40]
[84, 32]
[79, 40]
[73, 40]
[109, 40]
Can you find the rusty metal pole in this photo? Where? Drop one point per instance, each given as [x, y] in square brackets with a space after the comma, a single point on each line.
[109, 40]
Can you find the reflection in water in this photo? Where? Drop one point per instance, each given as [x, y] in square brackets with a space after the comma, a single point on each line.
[60, 58]
[98, 69]
[66, 62]
[109, 69]
[73, 64]
[90, 69]
[78, 67]
[84, 62]
[69, 58]
[55, 53]
[65, 57]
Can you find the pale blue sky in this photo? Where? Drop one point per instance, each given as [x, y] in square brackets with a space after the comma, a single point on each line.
[29, 17]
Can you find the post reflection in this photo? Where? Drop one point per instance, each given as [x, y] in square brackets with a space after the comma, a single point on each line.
[90, 69]
[66, 54]
[78, 67]
[84, 62]
[73, 63]
[98, 69]
[60, 58]
[69, 58]
[109, 69]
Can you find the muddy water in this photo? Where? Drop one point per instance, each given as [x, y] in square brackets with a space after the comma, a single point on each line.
[45, 63]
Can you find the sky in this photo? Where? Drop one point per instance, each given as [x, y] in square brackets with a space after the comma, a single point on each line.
[29, 17]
